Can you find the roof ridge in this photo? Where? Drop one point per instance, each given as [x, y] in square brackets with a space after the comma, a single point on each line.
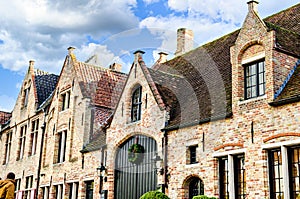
[282, 11]
[279, 91]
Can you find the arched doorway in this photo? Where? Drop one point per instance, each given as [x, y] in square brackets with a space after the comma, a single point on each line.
[193, 186]
[132, 179]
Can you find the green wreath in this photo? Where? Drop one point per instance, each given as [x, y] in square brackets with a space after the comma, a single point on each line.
[135, 153]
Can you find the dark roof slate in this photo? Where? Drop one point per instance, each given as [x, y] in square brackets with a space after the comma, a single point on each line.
[45, 85]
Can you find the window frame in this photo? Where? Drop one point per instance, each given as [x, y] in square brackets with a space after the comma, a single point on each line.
[22, 141]
[73, 193]
[192, 151]
[61, 146]
[258, 75]
[65, 100]
[33, 137]
[59, 191]
[136, 104]
[8, 143]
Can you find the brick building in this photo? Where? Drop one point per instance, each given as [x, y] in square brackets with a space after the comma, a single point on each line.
[220, 120]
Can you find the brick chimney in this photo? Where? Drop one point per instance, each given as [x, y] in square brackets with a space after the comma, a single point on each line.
[162, 57]
[138, 55]
[31, 66]
[185, 41]
[116, 67]
[71, 54]
[252, 5]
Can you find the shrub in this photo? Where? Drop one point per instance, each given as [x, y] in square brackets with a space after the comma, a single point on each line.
[154, 195]
[203, 197]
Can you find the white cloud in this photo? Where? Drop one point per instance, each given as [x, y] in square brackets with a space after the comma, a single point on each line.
[42, 30]
[7, 103]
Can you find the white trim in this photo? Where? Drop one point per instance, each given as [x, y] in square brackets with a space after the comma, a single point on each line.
[231, 152]
[45, 185]
[57, 183]
[279, 144]
[252, 59]
[72, 181]
[285, 172]
[88, 179]
[252, 99]
[231, 185]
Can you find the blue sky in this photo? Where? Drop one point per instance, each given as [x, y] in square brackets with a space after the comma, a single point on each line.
[42, 30]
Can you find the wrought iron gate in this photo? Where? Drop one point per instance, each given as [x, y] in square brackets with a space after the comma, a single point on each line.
[134, 179]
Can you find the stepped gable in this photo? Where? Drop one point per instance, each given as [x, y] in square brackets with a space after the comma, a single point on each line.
[4, 117]
[206, 71]
[45, 84]
[103, 86]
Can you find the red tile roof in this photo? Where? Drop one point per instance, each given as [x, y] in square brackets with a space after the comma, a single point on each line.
[102, 85]
[4, 117]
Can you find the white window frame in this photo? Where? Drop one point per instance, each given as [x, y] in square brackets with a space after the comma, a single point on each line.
[230, 155]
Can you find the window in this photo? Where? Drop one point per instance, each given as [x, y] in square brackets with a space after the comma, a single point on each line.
[196, 187]
[18, 193]
[73, 190]
[25, 96]
[89, 189]
[136, 104]
[45, 192]
[240, 176]
[237, 176]
[255, 79]
[65, 100]
[223, 178]
[284, 164]
[33, 137]
[61, 146]
[58, 191]
[276, 177]
[28, 188]
[22, 142]
[7, 147]
[192, 154]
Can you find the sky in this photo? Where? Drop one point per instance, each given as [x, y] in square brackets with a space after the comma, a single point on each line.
[42, 30]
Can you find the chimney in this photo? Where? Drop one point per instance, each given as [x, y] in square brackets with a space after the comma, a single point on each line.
[185, 41]
[71, 54]
[116, 67]
[162, 57]
[252, 5]
[31, 66]
[138, 55]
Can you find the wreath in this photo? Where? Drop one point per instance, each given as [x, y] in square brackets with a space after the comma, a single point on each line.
[135, 153]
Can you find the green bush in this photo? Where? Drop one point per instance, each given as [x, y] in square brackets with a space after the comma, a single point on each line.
[203, 197]
[154, 195]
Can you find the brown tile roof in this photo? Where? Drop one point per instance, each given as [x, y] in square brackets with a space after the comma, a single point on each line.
[197, 85]
[4, 117]
[102, 85]
[290, 89]
[287, 28]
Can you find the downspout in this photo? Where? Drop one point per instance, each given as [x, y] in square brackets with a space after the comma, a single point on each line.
[165, 149]
[43, 127]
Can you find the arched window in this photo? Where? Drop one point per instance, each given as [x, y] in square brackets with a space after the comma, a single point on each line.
[196, 187]
[136, 104]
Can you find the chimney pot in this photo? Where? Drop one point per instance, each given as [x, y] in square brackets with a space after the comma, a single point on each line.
[138, 55]
[252, 5]
[116, 67]
[162, 57]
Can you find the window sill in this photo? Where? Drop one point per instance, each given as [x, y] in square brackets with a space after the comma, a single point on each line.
[192, 165]
[242, 102]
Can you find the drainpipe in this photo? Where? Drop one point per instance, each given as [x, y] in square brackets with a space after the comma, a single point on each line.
[43, 127]
[165, 177]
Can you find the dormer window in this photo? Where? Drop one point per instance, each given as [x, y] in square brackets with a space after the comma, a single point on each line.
[136, 104]
[255, 79]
